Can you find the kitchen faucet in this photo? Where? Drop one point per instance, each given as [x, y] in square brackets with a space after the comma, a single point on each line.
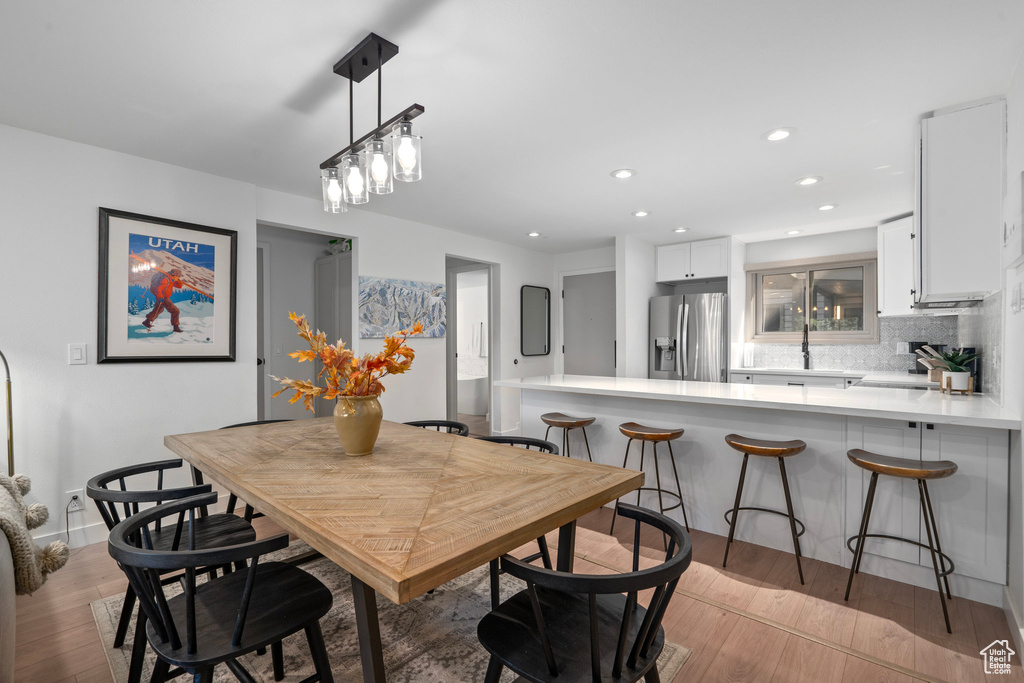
[805, 347]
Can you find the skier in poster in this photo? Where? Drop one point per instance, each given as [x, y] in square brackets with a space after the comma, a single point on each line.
[162, 286]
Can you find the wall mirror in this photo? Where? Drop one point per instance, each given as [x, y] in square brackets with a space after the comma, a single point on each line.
[535, 320]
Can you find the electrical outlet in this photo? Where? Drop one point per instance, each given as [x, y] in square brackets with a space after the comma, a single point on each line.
[75, 500]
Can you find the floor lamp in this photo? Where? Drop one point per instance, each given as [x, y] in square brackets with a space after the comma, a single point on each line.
[10, 421]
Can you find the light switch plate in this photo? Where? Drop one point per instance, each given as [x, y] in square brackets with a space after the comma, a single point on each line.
[78, 354]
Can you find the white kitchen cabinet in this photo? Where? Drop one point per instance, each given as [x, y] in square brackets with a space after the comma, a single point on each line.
[693, 260]
[970, 506]
[895, 267]
[799, 380]
[959, 231]
[896, 510]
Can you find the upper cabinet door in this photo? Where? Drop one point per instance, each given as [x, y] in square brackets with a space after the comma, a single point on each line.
[709, 258]
[673, 262]
[962, 178]
[895, 267]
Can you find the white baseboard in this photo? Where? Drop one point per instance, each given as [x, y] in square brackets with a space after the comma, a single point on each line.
[78, 537]
[1015, 620]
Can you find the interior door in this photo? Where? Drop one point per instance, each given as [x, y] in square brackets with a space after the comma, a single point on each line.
[588, 324]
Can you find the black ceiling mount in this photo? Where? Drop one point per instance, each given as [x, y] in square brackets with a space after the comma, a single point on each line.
[361, 61]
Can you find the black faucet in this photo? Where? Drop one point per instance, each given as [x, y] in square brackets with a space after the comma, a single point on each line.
[805, 347]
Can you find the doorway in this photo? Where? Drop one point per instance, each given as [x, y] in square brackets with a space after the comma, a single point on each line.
[588, 324]
[469, 336]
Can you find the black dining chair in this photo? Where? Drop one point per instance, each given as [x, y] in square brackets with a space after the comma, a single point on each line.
[529, 443]
[110, 491]
[581, 627]
[450, 426]
[220, 620]
[250, 513]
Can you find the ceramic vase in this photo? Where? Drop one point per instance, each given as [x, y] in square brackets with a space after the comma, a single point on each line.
[958, 380]
[357, 419]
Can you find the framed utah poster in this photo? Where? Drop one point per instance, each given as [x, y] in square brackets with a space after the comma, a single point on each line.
[166, 290]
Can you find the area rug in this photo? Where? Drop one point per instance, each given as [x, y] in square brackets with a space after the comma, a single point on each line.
[430, 639]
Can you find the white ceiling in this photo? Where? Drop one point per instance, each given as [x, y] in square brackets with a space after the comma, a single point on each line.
[530, 103]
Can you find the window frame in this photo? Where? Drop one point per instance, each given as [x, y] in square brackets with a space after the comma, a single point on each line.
[757, 271]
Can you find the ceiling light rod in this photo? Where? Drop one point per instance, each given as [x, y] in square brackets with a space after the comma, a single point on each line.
[407, 115]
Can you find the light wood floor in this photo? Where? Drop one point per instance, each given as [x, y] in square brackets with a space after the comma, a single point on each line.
[751, 622]
[478, 424]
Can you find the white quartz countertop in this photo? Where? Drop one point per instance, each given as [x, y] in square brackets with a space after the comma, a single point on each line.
[891, 404]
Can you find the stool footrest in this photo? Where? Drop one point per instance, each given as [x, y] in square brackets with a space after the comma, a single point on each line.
[780, 513]
[664, 492]
[945, 558]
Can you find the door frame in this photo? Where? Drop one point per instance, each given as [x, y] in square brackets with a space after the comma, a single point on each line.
[451, 336]
[263, 402]
[560, 327]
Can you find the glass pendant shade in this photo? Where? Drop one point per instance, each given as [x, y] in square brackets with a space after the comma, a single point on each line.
[378, 153]
[354, 178]
[333, 195]
[407, 157]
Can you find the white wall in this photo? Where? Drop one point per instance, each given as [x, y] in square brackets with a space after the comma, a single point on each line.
[812, 246]
[391, 247]
[634, 287]
[73, 422]
[289, 286]
[1013, 350]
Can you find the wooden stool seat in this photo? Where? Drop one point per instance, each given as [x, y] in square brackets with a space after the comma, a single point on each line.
[901, 467]
[904, 468]
[765, 447]
[643, 433]
[564, 421]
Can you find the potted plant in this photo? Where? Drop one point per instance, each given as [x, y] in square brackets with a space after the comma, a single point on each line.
[954, 367]
[353, 382]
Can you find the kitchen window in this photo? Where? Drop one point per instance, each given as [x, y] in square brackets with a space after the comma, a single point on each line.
[836, 298]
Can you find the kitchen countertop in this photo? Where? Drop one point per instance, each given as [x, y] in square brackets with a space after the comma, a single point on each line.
[909, 379]
[890, 404]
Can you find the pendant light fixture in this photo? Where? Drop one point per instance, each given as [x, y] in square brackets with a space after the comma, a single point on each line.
[371, 163]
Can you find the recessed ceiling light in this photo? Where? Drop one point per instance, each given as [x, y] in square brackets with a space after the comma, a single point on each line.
[777, 134]
[793, 232]
[623, 173]
[641, 213]
[533, 234]
[679, 230]
[809, 180]
[827, 207]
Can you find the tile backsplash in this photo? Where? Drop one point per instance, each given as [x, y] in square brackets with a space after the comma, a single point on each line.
[982, 328]
[878, 357]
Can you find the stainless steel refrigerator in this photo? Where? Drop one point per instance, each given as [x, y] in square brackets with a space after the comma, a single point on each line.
[688, 338]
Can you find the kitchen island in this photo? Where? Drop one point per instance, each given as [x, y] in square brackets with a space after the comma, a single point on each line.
[828, 491]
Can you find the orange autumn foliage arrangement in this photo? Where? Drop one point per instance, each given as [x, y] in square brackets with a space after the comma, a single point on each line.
[345, 374]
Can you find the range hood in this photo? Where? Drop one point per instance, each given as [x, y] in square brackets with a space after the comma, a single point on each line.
[957, 303]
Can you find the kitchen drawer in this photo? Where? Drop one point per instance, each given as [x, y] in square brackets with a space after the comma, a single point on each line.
[800, 380]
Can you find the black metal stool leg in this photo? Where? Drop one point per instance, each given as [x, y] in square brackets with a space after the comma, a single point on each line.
[615, 510]
[565, 442]
[867, 522]
[587, 444]
[679, 488]
[643, 445]
[865, 516]
[546, 432]
[938, 546]
[921, 488]
[736, 507]
[792, 519]
[657, 479]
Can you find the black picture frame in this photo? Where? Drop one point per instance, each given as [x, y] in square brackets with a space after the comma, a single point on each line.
[202, 328]
[534, 339]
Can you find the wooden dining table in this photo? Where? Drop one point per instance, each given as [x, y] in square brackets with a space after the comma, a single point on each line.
[423, 508]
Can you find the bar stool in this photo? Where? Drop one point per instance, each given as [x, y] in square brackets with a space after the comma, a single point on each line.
[567, 423]
[769, 449]
[654, 436]
[906, 468]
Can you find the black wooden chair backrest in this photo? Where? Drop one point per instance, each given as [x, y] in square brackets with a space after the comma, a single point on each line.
[108, 499]
[527, 442]
[451, 426]
[254, 423]
[131, 546]
[663, 578]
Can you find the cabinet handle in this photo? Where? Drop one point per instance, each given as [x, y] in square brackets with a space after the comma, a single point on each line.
[913, 425]
[795, 384]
